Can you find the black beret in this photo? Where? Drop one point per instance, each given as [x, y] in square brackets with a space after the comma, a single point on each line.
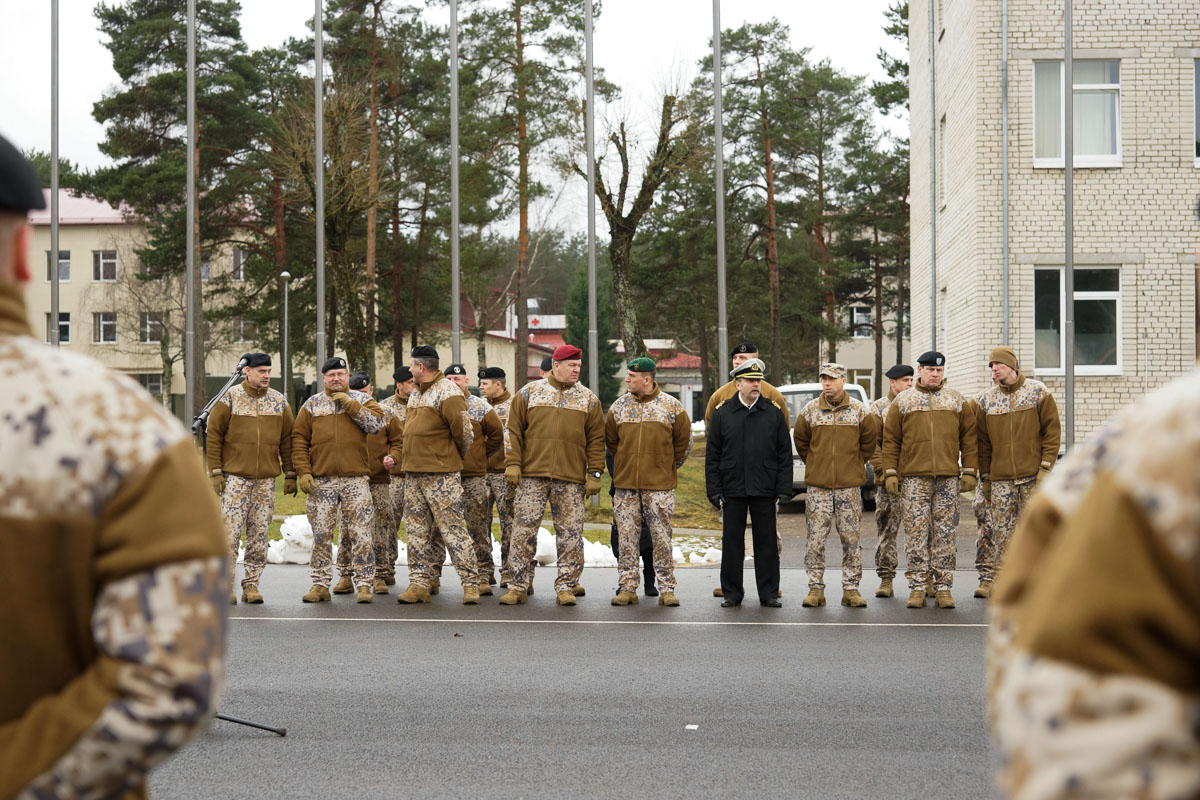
[333, 363]
[257, 359]
[492, 373]
[456, 369]
[745, 347]
[424, 351]
[932, 358]
[402, 374]
[360, 380]
[899, 371]
[547, 363]
[20, 187]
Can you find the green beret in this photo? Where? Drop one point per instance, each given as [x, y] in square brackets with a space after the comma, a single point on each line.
[642, 364]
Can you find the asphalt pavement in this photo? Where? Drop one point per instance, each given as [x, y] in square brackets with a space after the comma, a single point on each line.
[537, 701]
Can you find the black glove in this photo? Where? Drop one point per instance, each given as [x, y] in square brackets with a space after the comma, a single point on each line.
[717, 500]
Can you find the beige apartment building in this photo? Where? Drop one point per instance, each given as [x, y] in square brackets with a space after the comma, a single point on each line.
[1136, 133]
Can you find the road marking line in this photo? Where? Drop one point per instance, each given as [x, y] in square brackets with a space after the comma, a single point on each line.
[691, 727]
[622, 622]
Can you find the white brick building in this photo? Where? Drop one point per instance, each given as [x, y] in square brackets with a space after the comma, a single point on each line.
[1137, 189]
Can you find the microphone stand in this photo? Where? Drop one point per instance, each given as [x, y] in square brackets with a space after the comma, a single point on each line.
[200, 432]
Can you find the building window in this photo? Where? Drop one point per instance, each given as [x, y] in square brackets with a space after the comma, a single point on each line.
[150, 327]
[151, 382]
[104, 265]
[64, 327]
[64, 266]
[864, 378]
[205, 269]
[104, 327]
[861, 326]
[246, 330]
[239, 262]
[1097, 112]
[1196, 108]
[1097, 320]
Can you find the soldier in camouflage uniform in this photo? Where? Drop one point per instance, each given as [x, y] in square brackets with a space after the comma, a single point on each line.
[1019, 434]
[488, 443]
[397, 406]
[111, 533]
[329, 451]
[249, 440]
[556, 438]
[887, 508]
[835, 435]
[650, 436]
[1094, 661]
[928, 428]
[437, 436]
[492, 388]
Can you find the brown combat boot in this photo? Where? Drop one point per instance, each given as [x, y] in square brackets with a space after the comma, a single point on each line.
[929, 590]
[415, 593]
[668, 599]
[530, 590]
[380, 586]
[436, 587]
[985, 589]
[578, 591]
[389, 580]
[250, 594]
[485, 590]
[885, 588]
[565, 599]
[514, 598]
[365, 595]
[344, 585]
[944, 599]
[625, 598]
[852, 598]
[718, 592]
[816, 597]
[916, 599]
[317, 594]
[491, 578]
[470, 595]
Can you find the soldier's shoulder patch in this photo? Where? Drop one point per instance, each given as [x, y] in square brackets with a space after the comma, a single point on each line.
[777, 405]
[718, 405]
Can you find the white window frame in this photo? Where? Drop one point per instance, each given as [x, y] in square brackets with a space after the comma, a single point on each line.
[146, 378]
[1080, 160]
[238, 273]
[61, 263]
[242, 325]
[144, 323]
[64, 319]
[1084, 369]
[865, 329]
[99, 324]
[206, 268]
[98, 262]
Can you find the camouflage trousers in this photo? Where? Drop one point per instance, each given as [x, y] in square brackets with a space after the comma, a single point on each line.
[567, 510]
[630, 508]
[397, 494]
[248, 503]
[827, 511]
[477, 514]
[985, 543]
[351, 496]
[433, 505]
[1009, 500]
[930, 528]
[382, 525]
[887, 521]
[502, 495]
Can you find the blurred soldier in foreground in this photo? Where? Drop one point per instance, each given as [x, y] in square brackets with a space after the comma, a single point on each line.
[887, 507]
[249, 440]
[1094, 647]
[116, 660]
[650, 436]
[397, 407]
[492, 388]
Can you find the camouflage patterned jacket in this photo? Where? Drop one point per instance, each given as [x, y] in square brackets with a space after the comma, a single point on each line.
[397, 406]
[487, 435]
[556, 431]
[329, 440]
[1094, 647]
[250, 434]
[730, 389]
[501, 405]
[120, 664]
[927, 431]
[437, 428]
[1019, 430]
[388, 442]
[834, 442]
[650, 437]
[880, 409]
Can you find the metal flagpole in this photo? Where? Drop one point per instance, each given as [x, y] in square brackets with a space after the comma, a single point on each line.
[319, 122]
[54, 278]
[1069, 222]
[455, 275]
[593, 344]
[719, 155]
[190, 362]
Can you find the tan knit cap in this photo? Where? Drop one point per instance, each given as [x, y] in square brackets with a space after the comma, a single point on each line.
[1005, 356]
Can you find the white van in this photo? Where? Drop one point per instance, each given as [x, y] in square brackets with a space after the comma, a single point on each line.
[797, 396]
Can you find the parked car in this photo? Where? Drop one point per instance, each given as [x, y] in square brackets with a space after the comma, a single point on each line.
[797, 396]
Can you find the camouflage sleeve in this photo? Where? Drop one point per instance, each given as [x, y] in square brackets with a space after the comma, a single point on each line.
[285, 443]
[683, 437]
[370, 417]
[160, 636]
[214, 437]
[1051, 429]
